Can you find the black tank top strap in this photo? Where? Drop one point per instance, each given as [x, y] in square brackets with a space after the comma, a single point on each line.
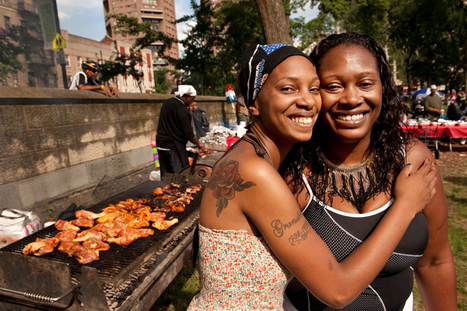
[251, 138]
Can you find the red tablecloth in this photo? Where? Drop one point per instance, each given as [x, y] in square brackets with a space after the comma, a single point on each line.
[436, 131]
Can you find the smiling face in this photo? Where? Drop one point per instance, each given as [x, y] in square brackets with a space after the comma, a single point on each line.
[351, 91]
[289, 102]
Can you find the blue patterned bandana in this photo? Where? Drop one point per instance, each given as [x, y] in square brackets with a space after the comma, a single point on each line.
[258, 63]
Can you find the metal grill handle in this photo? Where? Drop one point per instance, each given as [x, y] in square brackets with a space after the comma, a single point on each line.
[40, 297]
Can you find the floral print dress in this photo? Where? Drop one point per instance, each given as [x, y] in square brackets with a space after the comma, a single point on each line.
[238, 272]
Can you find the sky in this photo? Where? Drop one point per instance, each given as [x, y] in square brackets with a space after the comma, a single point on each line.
[86, 18]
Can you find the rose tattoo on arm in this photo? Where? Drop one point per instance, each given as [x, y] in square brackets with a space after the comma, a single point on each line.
[225, 181]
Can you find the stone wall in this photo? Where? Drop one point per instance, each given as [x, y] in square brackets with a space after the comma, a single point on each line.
[59, 147]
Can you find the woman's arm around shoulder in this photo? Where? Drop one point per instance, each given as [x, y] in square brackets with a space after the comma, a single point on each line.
[274, 211]
[435, 271]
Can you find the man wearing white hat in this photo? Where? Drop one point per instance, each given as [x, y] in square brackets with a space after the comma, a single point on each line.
[433, 104]
[174, 131]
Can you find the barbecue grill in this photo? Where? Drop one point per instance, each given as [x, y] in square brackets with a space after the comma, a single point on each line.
[124, 278]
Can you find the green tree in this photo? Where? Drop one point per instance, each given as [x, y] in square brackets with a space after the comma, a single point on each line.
[431, 37]
[161, 85]
[14, 41]
[241, 28]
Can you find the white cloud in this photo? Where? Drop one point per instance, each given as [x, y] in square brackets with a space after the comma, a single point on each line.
[63, 15]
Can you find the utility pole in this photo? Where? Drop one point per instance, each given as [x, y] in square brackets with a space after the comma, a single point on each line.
[57, 21]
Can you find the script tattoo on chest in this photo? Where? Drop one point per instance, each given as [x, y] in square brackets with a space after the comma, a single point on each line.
[225, 182]
[279, 227]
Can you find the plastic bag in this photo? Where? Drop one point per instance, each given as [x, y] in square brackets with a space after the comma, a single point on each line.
[16, 224]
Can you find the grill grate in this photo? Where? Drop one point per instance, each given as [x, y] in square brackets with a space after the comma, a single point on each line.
[118, 262]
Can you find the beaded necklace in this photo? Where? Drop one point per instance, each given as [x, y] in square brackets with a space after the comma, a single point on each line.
[356, 184]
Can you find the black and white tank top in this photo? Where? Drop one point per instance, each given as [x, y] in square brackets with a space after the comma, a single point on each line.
[343, 232]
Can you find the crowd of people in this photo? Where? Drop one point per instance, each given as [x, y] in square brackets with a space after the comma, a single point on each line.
[432, 106]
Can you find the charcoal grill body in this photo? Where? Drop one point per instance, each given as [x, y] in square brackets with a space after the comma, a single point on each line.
[141, 270]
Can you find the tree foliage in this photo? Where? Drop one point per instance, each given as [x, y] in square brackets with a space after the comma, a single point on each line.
[14, 41]
[161, 85]
[427, 38]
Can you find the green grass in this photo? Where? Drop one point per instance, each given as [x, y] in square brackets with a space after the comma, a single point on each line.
[178, 295]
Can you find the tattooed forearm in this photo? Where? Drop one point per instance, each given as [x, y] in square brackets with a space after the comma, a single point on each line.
[279, 227]
[301, 235]
[225, 181]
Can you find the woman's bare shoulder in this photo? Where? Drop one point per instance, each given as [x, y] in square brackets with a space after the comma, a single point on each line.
[418, 152]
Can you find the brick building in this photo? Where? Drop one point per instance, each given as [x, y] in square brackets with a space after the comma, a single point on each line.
[39, 69]
[78, 49]
[159, 13]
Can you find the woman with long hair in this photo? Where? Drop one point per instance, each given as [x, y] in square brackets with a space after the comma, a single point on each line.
[350, 165]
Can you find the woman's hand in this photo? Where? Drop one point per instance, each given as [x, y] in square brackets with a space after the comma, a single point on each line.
[416, 189]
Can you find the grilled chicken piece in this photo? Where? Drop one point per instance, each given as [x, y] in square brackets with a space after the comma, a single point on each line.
[62, 225]
[67, 235]
[128, 235]
[88, 214]
[67, 247]
[83, 222]
[84, 255]
[96, 244]
[175, 185]
[157, 191]
[122, 240]
[90, 233]
[156, 216]
[176, 206]
[137, 220]
[40, 247]
[109, 209]
[111, 229]
[163, 224]
[109, 217]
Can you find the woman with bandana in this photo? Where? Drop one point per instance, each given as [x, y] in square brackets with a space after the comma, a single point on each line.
[350, 167]
[253, 237]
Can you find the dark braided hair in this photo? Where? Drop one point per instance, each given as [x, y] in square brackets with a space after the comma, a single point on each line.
[387, 137]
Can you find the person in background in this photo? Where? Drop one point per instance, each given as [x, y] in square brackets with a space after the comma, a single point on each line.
[453, 112]
[461, 98]
[175, 89]
[433, 105]
[87, 80]
[252, 234]
[418, 112]
[350, 165]
[174, 130]
[200, 122]
[462, 110]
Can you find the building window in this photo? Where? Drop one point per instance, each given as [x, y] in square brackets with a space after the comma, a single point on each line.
[46, 80]
[80, 61]
[67, 60]
[150, 21]
[69, 79]
[31, 79]
[4, 82]
[134, 82]
[14, 76]
[54, 80]
[7, 22]
[125, 82]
